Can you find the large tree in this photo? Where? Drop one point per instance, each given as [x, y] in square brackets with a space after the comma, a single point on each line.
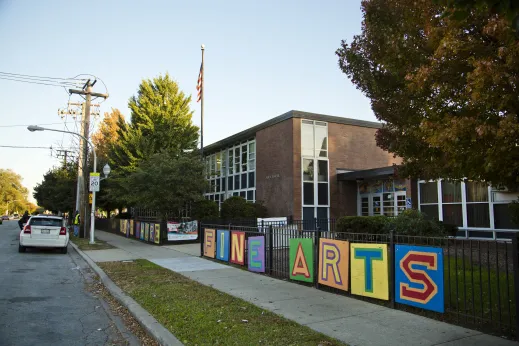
[161, 122]
[445, 88]
[58, 189]
[13, 194]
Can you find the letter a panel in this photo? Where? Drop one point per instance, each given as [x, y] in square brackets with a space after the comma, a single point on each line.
[302, 259]
[369, 270]
[333, 263]
[419, 277]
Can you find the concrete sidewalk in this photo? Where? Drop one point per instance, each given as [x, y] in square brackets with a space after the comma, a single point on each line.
[347, 319]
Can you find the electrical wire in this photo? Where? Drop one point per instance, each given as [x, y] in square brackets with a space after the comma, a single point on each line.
[41, 83]
[29, 125]
[40, 77]
[23, 147]
[50, 81]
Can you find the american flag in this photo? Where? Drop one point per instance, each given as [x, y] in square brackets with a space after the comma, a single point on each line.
[200, 83]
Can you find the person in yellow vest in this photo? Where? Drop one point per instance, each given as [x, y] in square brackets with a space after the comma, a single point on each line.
[76, 223]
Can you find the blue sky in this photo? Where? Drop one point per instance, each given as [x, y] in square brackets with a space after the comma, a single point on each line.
[263, 58]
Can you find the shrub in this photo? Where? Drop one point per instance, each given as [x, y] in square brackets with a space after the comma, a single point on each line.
[238, 208]
[362, 224]
[413, 222]
[204, 210]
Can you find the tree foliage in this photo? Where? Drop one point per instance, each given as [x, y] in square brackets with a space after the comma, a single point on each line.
[204, 210]
[445, 88]
[168, 182]
[12, 192]
[107, 134]
[238, 208]
[57, 191]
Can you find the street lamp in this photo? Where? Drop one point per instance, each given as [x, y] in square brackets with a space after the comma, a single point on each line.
[34, 128]
[106, 170]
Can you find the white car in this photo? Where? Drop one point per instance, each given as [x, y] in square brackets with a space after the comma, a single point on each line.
[44, 231]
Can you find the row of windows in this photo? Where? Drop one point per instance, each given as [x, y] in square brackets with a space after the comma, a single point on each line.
[235, 182]
[464, 204]
[238, 159]
[249, 195]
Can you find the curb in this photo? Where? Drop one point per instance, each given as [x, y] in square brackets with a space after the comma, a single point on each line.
[145, 319]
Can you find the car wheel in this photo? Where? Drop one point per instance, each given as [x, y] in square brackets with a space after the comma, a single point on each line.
[64, 250]
[21, 248]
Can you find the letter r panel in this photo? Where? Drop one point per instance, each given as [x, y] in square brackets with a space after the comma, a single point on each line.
[419, 277]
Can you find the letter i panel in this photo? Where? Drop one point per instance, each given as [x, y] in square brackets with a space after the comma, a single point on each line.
[369, 270]
[222, 245]
[419, 277]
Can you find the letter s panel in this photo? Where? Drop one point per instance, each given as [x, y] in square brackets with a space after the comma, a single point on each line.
[419, 277]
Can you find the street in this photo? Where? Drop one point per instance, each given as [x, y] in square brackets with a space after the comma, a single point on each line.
[44, 298]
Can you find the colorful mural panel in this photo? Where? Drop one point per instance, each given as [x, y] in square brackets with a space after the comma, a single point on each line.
[238, 248]
[137, 229]
[131, 228]
[334, 263]
[147, 232]
[419, 277]
[256, 262]
[209, 242]
[369, 270]
[222, 245]
[152, 232]
[157, 233]
[302, 259]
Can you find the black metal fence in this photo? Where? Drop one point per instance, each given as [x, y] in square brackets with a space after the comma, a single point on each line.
[480, 276]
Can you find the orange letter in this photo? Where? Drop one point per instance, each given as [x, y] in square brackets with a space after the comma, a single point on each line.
[300, 265]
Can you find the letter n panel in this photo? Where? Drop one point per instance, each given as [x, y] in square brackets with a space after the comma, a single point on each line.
[369, 270]
[209, 242]
[334, 263]
[419, 277]
[238, 248]
[222, 245]
[302, 259]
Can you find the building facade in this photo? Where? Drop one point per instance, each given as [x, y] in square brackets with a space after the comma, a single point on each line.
[306, 165]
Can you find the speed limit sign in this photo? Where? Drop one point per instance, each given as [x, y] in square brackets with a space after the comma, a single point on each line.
[94, 182]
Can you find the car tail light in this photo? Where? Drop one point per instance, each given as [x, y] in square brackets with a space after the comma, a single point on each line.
[27, 229]
[63, 231]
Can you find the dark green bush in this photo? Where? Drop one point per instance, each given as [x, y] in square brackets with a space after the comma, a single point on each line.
[204, 210]
[362, 224]
[238, 208]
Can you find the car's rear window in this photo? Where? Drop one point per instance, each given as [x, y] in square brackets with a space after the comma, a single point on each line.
[40, 221]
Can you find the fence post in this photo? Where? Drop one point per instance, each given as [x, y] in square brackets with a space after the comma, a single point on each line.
[201, 235]
[515, 254]
[271, 250]
[316, 256]
[392, 269]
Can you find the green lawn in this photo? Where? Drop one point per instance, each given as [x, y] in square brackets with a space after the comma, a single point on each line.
[83, 244]
[200, 315]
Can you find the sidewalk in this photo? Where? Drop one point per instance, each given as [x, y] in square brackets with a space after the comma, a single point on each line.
[347, 319]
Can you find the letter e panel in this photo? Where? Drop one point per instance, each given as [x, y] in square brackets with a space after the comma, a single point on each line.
[419, 277]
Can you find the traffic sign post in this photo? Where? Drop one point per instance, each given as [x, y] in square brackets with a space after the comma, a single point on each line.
[94, 182]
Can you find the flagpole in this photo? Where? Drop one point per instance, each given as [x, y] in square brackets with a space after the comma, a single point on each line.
[202, 108]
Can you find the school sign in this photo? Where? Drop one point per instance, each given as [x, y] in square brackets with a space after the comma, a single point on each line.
[362, 269]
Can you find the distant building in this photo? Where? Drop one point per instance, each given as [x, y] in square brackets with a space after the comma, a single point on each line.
[308, 165]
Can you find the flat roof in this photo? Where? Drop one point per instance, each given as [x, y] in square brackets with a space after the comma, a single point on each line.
[367, 173]
[251, 132]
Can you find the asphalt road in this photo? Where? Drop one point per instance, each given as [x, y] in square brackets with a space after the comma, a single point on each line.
[44, 299]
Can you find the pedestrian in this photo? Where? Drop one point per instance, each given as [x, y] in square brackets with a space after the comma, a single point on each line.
[76, 223]
[23, 219]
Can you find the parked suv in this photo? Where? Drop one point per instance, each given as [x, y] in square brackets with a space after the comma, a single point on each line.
[44, 231]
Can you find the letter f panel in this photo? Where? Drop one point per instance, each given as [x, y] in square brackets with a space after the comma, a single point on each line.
[419, 277]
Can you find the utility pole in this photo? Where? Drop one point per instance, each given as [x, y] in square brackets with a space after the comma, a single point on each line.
[85, 129]
[63, 153]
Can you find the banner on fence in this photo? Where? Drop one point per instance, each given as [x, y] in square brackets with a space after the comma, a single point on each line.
[157, 233]
[152, 232]
[182, 230]
[419, 277]
[369, 270]
[143, 230]
[131, 228]
[301, 259]
[147, 231]
[238, 248]
[222, 245]
[256, 262]
[209, 242]
[137, 229]
[334, 263]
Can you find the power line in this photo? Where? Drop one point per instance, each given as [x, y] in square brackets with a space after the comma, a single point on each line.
[56, 84]
[29, 124]
[23, 147]
[37, 79]
[40, 77]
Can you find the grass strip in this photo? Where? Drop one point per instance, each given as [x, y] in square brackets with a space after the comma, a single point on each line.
[83, 244]
[201, 315]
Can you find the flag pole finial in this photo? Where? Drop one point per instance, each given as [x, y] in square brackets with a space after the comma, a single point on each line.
[202, 46]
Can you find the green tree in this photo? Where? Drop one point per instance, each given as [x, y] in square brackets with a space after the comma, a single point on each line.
[57, 191]
[167, 183]
[204, 210]
[445, 89]
[13, 194]
[161, 122]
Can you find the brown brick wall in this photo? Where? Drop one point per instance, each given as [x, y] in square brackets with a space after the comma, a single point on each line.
[352, 147]
[274, 168]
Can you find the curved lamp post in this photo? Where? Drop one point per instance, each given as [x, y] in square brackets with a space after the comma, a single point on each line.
[106, 169]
